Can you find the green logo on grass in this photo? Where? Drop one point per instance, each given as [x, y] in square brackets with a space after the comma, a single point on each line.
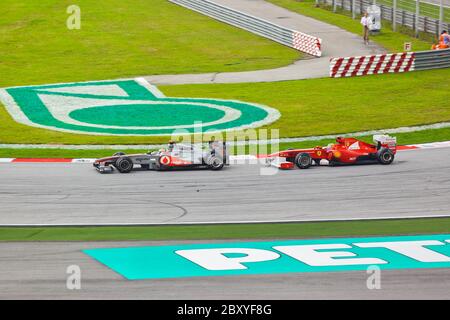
[127, 107]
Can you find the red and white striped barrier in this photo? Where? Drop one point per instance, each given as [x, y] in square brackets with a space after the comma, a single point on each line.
[432, 145]
[306, 43]
[376, 64]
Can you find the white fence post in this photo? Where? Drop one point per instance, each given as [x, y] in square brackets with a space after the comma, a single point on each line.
[394, 16]
[353, 9]
[441, 16]
[416, 23]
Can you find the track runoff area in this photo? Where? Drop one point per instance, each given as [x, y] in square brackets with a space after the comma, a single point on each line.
[415, 185]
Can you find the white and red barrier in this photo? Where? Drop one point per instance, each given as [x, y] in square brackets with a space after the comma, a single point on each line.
[307, 43]
[375, 64]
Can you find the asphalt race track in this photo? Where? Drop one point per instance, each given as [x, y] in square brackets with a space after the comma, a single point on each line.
[38, 271]
[416, 184]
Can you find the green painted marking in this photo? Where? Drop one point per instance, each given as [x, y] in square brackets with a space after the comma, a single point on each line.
[341, 254]
[145, 115]
[127, 107]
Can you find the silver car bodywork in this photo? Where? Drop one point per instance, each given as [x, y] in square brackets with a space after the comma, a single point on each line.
[213, 155]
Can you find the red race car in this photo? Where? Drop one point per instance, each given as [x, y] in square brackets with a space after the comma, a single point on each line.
[344, 151]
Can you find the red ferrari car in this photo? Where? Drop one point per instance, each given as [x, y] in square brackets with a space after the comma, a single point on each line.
[344, 151]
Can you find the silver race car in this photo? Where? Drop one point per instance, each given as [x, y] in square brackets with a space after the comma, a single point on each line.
[213, 155]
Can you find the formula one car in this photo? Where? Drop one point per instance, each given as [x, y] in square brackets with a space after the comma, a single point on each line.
[344, 151]
[214, 156]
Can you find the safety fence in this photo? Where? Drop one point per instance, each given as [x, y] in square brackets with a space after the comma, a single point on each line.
[389, 63]
[402, 17]
[433, 59]
[288, 37]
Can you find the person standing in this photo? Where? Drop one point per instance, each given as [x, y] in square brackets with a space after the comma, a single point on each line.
[366, 21]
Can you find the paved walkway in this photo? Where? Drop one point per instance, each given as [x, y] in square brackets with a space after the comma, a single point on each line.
[336, 43]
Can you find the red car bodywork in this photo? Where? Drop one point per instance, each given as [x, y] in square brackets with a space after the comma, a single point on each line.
[344, 151]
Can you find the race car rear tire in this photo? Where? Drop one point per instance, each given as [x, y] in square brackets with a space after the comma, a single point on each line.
[215, 163]
[124, 165]
[120, 153]
[303, 160]
[385, 156]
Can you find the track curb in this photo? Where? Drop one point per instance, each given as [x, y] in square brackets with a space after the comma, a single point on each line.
[131, 224]
[433, 145]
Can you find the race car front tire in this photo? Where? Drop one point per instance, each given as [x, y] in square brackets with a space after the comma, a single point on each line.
[124, 165]
[385, 156]
[303, 160]
[215, 163]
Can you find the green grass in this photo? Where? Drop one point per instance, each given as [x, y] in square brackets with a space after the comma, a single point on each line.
[123, 39]
[233, 231]
[117, 40]
[328, 106]
[392, 41]
[308, 107]
[426, 9]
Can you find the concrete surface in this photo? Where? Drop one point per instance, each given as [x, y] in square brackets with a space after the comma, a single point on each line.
[38, 271]
[417, 183]
[336, 43]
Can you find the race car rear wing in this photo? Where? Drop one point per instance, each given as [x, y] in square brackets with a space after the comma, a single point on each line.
[386, 140]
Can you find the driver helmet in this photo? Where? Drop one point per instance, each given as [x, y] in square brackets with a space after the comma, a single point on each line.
[171, 145]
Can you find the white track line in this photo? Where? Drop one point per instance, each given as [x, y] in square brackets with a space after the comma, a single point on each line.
[216, 222]
[440, 125]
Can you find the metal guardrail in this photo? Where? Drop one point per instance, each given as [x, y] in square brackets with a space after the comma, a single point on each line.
[388, 63]
[403, 17]
[432, 59]
[264, 28]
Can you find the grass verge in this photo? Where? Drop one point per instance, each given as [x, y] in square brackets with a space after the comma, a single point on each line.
[121, 39]
[307, 107]
[235, 231]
